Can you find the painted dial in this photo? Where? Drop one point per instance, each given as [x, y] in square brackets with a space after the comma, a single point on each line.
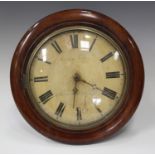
[77, 77]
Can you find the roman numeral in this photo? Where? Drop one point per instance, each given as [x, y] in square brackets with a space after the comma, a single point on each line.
[98, 109]
[41, 79]
[92, 44]
[78, 113]
[106, 57]
[56, 47]
[113, 74]
[40, 59]
[46, 96]
[74, 40]
[60, 109]
[109, 93]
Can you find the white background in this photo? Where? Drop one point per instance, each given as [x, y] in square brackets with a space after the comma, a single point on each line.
[17, 136]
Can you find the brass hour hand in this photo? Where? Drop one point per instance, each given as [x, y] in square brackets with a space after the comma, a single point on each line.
[75, 90]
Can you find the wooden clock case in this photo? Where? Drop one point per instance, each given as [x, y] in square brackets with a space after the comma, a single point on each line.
[71, 18]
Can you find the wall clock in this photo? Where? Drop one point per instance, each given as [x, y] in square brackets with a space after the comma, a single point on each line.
[77, 76]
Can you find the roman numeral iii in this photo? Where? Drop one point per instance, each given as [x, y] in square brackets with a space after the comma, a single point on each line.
[113, 74]
[74, 40]
[46, 96]
[60, 109]
[109, 93]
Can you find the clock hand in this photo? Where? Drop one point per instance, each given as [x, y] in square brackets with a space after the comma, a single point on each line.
[75, 90]
[92, 85]
[79, 79]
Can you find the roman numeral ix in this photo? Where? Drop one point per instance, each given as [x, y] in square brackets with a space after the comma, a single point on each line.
[109, 93]
[41, 79]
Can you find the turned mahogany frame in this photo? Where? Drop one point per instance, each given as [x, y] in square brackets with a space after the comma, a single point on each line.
[71, 18]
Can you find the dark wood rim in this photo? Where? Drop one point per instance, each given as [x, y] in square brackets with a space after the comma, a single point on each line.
[71, 18]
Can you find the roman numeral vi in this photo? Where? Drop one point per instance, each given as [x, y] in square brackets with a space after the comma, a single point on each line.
[78, 112]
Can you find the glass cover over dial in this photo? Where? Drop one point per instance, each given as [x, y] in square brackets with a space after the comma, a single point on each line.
[77, 77]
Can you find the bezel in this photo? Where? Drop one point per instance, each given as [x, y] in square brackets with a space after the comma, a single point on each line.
[32, 57]
[72, 18]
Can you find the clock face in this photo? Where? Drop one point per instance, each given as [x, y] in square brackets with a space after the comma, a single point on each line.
[77, 77]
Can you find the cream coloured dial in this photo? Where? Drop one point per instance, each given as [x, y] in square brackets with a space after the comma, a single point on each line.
[77, 77]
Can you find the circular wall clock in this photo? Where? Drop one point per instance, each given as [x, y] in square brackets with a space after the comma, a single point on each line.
[77, 76]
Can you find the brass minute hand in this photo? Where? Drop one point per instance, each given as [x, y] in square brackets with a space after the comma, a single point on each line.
[92, 85]
[79, 79]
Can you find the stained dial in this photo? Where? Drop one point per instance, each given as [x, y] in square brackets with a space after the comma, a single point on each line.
[77, 77]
